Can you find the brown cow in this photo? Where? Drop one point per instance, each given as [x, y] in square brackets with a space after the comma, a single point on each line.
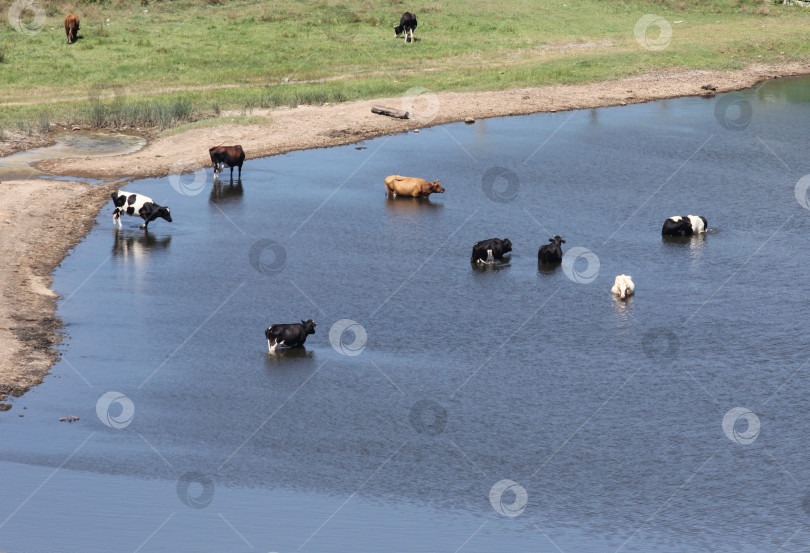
[411, 186]
[71, 27]
[230, 156]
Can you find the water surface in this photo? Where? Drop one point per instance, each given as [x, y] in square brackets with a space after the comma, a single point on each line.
[609, 415]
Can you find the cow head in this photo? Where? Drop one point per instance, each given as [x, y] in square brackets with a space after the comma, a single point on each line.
[165, 213]
[705, 224]
[436, 188]
[557, 240]
[507, 245]
[398, 29]
[623, 286]
[309, 326]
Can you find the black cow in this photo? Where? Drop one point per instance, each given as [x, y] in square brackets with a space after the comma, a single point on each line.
[407, 23]
[487, 251]
[289, 335]
[684, 226]
[230, 156]
[138, 204]
[551, 254]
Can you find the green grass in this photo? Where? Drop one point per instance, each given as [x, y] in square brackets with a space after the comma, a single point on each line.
[187, 60]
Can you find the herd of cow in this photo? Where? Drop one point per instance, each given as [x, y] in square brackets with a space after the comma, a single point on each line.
[407, 24]
[486, 251]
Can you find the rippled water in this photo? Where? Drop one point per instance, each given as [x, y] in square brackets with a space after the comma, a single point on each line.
[72, 144]
[610, 416]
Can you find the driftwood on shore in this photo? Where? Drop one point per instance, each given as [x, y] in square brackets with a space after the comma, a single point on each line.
[390, 112]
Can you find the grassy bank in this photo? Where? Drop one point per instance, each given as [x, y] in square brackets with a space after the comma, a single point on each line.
[164, 63]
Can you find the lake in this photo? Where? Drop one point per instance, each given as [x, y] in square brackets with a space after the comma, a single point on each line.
[441, 406]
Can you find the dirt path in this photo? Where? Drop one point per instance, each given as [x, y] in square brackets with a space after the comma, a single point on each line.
[38, 229]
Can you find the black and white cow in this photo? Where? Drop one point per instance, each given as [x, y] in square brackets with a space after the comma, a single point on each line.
[138, 204]
[684, 226]
[487, 251]
[289, 335]
[551, 253]
[407, 23]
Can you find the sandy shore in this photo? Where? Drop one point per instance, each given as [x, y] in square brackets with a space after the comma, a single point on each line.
[40, 221]
[38, 231]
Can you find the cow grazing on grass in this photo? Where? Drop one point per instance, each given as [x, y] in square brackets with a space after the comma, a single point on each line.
[227, 156]
[623, 286]
[551, 253]
[407, 23]
[487, 251]
[138, 204]
[684, 226]
[71, 27]
[411, 186]
[289, 335]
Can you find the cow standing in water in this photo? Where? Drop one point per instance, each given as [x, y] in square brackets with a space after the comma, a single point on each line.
[487, 251]
[289, 335]
[684, 226]
[71, 28]
[411, 186]
[551, 254]
[227, 156]
[138, 204]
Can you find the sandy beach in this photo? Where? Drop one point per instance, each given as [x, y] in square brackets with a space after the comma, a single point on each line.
[43, 219]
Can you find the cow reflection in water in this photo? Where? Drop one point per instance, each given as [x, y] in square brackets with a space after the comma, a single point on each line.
[226, 193]
[409, 203]
[137, 247]
[291, 357]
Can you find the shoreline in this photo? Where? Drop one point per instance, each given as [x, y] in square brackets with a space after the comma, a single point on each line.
[44, 219]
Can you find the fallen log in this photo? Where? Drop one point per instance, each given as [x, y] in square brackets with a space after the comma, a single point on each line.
[390, 112]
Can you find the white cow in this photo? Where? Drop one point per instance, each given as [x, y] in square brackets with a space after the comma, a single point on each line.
[623, 286]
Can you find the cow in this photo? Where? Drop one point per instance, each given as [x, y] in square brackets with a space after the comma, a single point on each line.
[71, 27]
[487, 251]
[138, 204]
[230, 156]
[289, 335]
[407, 23]
[551, 254]
[411, 186]
[684, 226]
[623, 286]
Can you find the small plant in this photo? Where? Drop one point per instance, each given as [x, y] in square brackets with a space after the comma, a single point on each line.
[3, 49]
